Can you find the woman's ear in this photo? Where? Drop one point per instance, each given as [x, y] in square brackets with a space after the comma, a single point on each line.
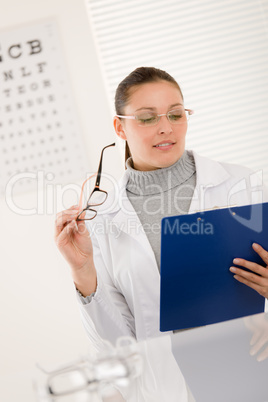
[119, 129]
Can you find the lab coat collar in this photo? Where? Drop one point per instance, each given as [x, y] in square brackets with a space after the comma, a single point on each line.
[209, 174]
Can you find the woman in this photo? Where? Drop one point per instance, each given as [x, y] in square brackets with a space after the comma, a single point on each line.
[116, 270]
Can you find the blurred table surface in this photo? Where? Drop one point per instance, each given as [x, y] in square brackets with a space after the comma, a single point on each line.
[222, 362]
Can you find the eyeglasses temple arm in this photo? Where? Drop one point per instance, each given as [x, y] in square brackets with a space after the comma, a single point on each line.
[97, 184]
[125, 117]
[190, 111]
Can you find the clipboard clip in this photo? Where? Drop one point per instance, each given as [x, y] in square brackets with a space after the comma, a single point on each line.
[216, 207]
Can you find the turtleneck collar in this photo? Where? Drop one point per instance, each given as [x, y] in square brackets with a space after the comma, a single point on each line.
[159, 180]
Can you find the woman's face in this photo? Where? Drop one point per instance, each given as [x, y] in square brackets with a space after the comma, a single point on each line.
[159, 97]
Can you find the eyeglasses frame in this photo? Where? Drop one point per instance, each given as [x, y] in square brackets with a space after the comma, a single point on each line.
[96, 188]
[82, 366]
[125, 354]
[135, 117]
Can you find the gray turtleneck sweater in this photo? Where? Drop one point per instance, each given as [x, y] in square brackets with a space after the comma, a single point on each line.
[159, 193]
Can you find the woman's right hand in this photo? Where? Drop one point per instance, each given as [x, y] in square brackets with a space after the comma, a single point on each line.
[74, 243]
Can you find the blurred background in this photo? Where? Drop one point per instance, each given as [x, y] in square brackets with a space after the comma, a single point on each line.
[60, 63]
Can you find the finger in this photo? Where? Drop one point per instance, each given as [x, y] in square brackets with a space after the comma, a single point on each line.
[251, 276]
[70, 231]
[249, 323]
[66, 212]
[259, 345]
[64, 217]
[262, 253]
[256, 323]
[63, 222]
[82, 228]
[67, 232]
[262, 290]
[263, 355]
[255, 337]
[258, 269]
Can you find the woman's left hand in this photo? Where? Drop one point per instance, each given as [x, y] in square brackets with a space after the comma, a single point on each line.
[258, 325]
[258, 282]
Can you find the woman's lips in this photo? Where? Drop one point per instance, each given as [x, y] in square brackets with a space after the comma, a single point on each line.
[164, 146]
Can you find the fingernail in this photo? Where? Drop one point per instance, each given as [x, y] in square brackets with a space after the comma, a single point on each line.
[236, 261]
[260, 358]
[255, 245]
[232, 269]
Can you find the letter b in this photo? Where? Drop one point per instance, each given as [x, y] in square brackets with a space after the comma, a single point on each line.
[35, 46]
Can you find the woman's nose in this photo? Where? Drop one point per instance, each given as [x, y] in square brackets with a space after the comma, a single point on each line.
[164, 125]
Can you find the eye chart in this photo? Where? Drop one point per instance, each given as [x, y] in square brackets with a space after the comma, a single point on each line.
[39, 130]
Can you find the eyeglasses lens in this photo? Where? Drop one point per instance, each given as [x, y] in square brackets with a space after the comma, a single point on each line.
[97, 198]
[69, 382]
[176, 116]
[90, 214]
[147, 119]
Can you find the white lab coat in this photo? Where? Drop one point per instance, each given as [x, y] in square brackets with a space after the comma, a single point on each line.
[127, 298]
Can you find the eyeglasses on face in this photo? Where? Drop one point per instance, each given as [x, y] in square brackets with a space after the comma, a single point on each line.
[97, 196]
[149, 118]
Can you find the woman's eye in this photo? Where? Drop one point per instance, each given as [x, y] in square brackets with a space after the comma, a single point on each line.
[175, 116]
[146, 118]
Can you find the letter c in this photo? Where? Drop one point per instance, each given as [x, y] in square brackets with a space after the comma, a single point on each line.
[10, 51]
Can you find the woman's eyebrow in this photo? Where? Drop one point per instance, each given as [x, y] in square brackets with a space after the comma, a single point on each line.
[145, 107]
[153, 108]
[176, 104]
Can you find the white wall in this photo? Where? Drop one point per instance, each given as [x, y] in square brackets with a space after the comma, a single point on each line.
[39, 316]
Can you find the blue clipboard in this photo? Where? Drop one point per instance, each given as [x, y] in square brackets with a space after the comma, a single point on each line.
[197, 251]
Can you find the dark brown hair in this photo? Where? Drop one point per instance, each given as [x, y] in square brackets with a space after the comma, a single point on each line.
[141, 75]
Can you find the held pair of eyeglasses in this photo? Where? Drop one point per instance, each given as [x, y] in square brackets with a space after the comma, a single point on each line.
[97, 196]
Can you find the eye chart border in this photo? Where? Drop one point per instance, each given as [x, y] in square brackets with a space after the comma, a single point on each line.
[39, 125]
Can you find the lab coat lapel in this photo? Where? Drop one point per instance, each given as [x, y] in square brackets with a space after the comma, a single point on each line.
[209, 174]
